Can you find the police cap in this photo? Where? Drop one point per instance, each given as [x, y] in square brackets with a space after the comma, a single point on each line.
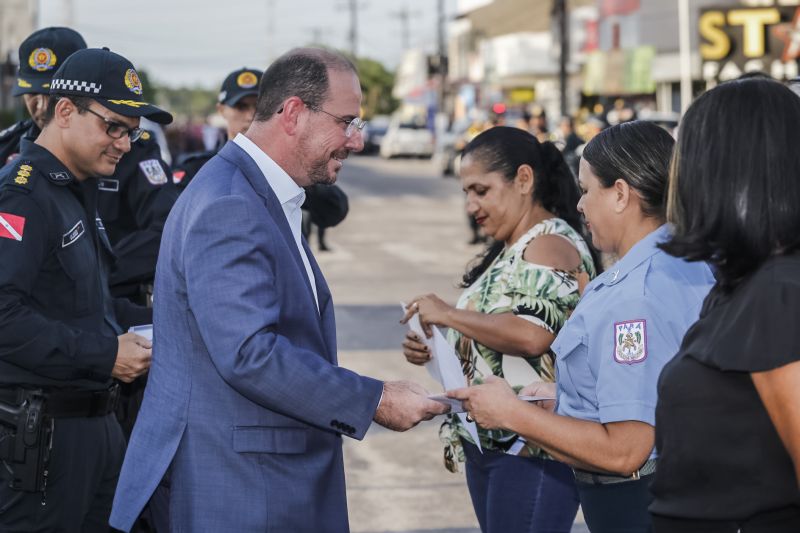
[108, 78]
[238, 84]
[41, 54]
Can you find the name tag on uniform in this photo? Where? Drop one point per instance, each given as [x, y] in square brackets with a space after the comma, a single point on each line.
[153, 171]
[108, 185]
[73, 235]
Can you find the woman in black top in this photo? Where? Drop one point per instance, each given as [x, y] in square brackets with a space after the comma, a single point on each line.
[728, 412]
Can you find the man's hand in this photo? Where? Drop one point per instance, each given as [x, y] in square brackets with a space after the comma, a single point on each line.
[405, 404]
[133, 357]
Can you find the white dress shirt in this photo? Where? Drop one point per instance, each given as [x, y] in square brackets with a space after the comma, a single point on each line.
[290, 195]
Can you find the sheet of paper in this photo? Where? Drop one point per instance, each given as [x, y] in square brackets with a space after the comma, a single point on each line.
[457, 407]
[444, 366]
[145, 331]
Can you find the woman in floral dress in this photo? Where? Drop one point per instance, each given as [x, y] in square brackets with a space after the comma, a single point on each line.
[516, 297]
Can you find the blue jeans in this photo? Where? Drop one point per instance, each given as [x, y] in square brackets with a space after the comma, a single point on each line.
[514, 494]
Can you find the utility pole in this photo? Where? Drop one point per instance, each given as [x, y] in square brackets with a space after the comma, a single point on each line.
[404, 16]
[442, 51]
[316, 35]
[353, 4]
[561, 16]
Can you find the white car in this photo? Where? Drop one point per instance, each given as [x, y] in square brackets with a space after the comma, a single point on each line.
[407, 138]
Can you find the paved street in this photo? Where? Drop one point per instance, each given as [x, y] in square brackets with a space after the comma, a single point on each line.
[406, 234]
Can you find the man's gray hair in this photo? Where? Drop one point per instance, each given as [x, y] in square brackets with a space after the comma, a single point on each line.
[302, 72]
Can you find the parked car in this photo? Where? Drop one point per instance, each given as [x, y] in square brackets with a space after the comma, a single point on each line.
[407, 138]
[374, 132]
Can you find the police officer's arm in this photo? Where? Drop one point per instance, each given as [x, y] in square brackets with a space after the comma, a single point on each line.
[778, 392]
[617, 447]
[29, 339]
[151, 193]
[505, 332]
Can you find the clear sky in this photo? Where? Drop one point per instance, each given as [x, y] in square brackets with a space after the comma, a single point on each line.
[197, 42]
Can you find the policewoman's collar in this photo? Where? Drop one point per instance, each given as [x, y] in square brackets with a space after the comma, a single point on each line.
[44, 162]
[640, 252]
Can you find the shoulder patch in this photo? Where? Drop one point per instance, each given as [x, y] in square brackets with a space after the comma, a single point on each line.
[630, 341]
[153, 171]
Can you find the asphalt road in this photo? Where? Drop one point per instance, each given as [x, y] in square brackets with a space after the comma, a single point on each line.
[406, 234]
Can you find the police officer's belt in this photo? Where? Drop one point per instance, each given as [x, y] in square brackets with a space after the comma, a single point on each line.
[594, 478]
[61, 403]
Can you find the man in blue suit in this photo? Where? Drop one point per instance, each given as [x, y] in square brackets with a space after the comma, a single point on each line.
[245, 404]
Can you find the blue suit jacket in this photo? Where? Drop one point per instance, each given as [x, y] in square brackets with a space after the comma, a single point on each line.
[245, 404]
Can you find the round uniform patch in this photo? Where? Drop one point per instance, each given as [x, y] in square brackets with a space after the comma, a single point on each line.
[132, 81]
[246, 80]
[42, 60]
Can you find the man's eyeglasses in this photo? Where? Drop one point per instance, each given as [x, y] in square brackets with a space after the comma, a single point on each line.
[352, 125]
[115, 130]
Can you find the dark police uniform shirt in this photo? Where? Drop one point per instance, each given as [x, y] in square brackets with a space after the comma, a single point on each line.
[133, 204]
[58, 325]
[10, 138]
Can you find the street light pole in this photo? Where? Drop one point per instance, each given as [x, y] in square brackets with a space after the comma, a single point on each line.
[685, 54]
[563, 56]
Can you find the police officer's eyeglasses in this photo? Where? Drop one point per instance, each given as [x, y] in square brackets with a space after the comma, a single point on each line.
[115, 130]
[353, 124]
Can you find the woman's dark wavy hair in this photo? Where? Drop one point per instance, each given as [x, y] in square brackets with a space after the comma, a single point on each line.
[504, 149]
[638, 153]
[734, 194]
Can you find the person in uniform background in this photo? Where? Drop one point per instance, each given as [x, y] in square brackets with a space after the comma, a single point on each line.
[627, 326]
[325, 205]
[40, 55]
[134, 201]
[61, 331]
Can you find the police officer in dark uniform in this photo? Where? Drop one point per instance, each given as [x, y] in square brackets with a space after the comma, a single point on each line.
[39, 57]
[134, 202]
[325, 205]
[61, 332]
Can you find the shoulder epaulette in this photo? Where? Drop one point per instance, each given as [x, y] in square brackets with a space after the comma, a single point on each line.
[18, 176]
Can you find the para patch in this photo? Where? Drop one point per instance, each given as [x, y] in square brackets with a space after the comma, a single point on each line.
[630, 341]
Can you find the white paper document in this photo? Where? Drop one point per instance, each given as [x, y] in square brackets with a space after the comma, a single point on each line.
[145, 331]
[457, 407]
[445, 367]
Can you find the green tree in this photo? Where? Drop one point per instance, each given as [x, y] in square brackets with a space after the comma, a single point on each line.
[376, 84]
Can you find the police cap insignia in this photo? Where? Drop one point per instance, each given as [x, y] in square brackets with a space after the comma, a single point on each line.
[132, 81]
[145, 136]
[42, 60]
[247, 80]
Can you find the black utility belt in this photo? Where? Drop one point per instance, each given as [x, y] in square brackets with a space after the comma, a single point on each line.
[596, 478]
[62, 403]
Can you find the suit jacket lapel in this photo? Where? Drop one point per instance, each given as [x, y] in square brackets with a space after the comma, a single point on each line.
[234, 153]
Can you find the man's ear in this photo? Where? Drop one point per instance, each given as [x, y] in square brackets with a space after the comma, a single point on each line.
[622, 192]
[65, 111]
[290, 114]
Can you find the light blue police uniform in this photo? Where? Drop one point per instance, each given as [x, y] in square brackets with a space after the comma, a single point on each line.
[627, 326]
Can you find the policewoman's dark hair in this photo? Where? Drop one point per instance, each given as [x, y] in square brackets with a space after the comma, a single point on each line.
[734, 192]
[302, 72]
[638, 153]
[504, 149]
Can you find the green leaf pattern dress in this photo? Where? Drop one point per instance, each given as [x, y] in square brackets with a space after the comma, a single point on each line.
[539, 294]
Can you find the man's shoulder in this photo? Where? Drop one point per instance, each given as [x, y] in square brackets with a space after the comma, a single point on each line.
[21, 176]
[10, 140]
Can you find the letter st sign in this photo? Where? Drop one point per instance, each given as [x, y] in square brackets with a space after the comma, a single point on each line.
[744, 39]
